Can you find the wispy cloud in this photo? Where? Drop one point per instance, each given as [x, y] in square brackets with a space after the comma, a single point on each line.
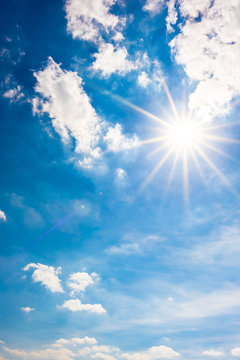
[3, 216]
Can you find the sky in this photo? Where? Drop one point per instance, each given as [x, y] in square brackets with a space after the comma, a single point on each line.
[119, 186]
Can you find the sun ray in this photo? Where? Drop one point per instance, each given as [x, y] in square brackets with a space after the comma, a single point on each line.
[173, 169]
[156, 169]
[195, 159]
[211, 164]
[185, 178]
[170, 100]
[220, 152]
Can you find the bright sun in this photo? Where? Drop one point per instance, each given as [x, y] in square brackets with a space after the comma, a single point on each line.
[184, 134]
[182, 138]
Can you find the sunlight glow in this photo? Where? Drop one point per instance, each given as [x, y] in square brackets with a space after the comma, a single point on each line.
[187, 138]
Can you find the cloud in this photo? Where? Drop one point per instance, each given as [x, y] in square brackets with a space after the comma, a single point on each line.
[235, 352]
[111, 59]
[46, 275]
[2, 342]
[87, 19]
[27, 309]
[101, 352]
[116, 141]
[47, 354]
[14, 94]
[76, 341]
[31, 217]
[208, 48]
[103, 356]
[135, 245]
[222, 247]
[76, 305]
[154, 6]
[214, 353]
[3, 216]
[154, 353]
[143, 79]
[79, 281]
[62, 97]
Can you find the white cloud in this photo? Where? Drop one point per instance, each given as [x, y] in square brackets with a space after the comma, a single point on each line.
[47, 354]
[103, 356]
[214, 353]
[154, 353]
[116, 141]
[79, 281]
[154, 6]
[76, 305]
[46, 275]
[209, 51]
[235, 352]
[14, 94]
[135, 245]
[92, 351]
[76, 341]
[2, 342]
[110, 60]
[3, 216]
[172, 17]
[86, 19]
[143, 79]
[27, 309]
[62, 96]
[120, 177]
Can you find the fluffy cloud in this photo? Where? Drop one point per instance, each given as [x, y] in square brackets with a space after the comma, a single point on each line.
[235, 352]
[3, 216]
[47, 354]
[62, 96]
[143, 79]
[208, 48]
[103, 356]
[46, 275]
[111, 59]
[27, 309]
[154, 353]
[76, 305]
[116, 141]
[102, 352]
[79, 281]
[154, 6]
[86, 19]
[76, 341]
[214, 353]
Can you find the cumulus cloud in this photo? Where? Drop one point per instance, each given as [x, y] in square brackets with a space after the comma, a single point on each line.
[79, 281]
[235, 352]
[46, 275]
[111, 59]
[103, 356]
[27, 309]
[87, 19]
[154, 353]
[214, 353]
[143, 79]
[76, 341]
[62, 97]
[154, 6]
[116, 141]
[76, 305]
[47, 354]
[3, 216]
[71, 349]
[208, 48]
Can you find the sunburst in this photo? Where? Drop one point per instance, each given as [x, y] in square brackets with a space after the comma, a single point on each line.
[181, 138]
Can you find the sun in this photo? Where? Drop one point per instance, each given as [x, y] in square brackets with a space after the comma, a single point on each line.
[181, 139]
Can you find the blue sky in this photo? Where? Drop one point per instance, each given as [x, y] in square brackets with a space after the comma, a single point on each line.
[119, 201]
